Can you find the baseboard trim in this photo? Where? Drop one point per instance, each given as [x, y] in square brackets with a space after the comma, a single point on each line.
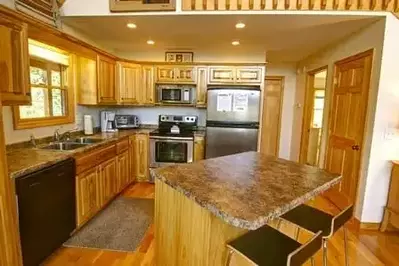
[370, 226]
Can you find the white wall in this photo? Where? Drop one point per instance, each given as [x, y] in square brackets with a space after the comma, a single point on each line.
[365, 39]
[288, 70]
[383, 148]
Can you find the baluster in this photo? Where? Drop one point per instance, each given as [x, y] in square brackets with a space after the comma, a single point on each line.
[227, 4]
[348, 4]
[287, 4]
[311, 4]
[396, 6]
[323, 4]
[192, 4]
[359, 4]
[385, 4]
[263, 4]
[299, 4]
[372, 4]
[335, 4]
[251, 4]
[275, 2]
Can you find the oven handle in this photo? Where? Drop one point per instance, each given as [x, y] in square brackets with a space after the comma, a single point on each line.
[171, 138]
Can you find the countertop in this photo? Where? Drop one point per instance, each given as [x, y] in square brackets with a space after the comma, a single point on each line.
[247, 190]
[27, 160]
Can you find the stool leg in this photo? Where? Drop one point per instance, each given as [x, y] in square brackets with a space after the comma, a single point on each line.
[324, 252]
[346, 247]
[229, 255]
[278, 223]
[298, 229]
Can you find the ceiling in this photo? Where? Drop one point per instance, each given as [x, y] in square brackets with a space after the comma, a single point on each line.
[284, 38]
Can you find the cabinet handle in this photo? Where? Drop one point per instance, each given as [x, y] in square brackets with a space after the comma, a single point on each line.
[355, 147]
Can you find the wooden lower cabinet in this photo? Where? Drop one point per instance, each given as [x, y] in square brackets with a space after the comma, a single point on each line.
[108, 177]
[87, 195]
[123, 176]
[199, 148]
[140, 158]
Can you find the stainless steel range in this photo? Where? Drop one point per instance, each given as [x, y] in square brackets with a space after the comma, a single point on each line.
[173, 141]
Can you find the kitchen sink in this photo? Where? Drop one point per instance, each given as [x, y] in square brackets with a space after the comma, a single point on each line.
[64, 146]
[85, 140]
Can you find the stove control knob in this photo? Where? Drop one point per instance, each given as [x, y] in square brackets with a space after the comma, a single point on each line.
[163, 118]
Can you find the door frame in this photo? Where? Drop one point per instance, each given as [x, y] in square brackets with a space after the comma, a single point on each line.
[307, 111]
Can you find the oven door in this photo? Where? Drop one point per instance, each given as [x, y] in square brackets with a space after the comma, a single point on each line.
[171, 95]
[170, 150]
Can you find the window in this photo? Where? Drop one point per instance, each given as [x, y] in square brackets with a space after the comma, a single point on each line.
[52, 99]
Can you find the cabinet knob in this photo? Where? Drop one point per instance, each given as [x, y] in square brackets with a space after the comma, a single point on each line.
[355, 147]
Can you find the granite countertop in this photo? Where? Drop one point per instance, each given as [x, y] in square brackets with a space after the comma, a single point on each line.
[23, 161]
[247, 190]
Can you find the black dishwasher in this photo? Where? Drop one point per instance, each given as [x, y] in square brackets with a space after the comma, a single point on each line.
[46, 208]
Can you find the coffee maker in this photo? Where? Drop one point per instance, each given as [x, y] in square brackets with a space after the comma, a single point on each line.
[107, 119]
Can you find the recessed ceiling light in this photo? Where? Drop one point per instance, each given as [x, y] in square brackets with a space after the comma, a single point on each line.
[235, 43]
[150, 42]
[131, 25]
[240, 25]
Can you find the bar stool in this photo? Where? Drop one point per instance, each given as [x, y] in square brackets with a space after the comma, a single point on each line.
[267, 246]
[315, 220]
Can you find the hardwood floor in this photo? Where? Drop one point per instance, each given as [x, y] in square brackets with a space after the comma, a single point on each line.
[365, 247]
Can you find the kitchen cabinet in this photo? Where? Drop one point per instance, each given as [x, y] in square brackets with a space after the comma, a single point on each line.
[148, 85]
[141, 154]
[14, 62]
[391, 212]
[176, 74]
[106, 90]
[86, 75]
[249, 75]
[108, 176]
[88, 202]
[202, 78]
[128, 82]
[236, 75]
[199, 148]
[221, 74]
[132, 159]
[123, 176]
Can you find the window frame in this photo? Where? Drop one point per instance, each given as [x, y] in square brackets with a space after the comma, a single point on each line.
[69, 117]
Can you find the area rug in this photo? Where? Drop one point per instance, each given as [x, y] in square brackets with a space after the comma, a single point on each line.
[121, 226]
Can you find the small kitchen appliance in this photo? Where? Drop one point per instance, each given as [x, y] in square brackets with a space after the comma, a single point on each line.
[176, 94]
[173, 141]
[126, 121]
[107, 119]
[88, 124]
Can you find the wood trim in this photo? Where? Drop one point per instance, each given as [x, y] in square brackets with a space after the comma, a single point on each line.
[370, 226]
[132, 6]
[94, 158]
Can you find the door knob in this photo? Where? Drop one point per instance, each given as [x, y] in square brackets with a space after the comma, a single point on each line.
[355, 147]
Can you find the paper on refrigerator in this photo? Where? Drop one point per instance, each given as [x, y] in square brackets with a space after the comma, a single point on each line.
[224, 101]
[240, 102]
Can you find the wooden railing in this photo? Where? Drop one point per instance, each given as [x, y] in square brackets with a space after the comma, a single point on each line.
[328, 5]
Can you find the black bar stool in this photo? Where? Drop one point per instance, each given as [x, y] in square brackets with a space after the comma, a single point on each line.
[267, 246]
[315, 220]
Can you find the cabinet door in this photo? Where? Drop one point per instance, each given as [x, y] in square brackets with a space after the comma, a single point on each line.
[219, 75]
[166, 74]
[199, 148]
[142, 156]
[86, 81]
[86, 193]
[108, 176]
[185, 75]
[148, 86]
[132, 159]
[128, 83]
[202, 77]
[106, 80]
[123, 171]
[14, 63]
[249, 75]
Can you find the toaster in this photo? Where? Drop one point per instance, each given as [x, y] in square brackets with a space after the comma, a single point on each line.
[126, 121]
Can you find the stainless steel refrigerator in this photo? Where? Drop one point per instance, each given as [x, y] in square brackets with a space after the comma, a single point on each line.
[232, 120]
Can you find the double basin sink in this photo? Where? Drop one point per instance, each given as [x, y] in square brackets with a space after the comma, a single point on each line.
[71, 144]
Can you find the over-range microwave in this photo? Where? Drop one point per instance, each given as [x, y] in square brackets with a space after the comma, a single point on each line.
[141, 5]
[175, 94]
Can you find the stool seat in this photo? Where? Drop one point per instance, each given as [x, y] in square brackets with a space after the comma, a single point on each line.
[311, 219]
[267, 246]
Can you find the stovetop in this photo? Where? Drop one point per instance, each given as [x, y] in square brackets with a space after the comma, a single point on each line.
[165, 133]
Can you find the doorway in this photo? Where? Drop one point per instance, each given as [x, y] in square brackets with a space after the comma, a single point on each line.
[316, 83]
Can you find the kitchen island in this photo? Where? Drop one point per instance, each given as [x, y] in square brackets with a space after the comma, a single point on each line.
[201, 206]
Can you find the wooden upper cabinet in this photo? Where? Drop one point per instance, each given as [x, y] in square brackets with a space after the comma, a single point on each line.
[185, 74]
[86, 75]
[14, 62]
[148, 85]
[176, 74]
[249, 75]
[219, 75]
[107, 93]
[202, 80]
[128, 82]
[165, 74]
[87, 200]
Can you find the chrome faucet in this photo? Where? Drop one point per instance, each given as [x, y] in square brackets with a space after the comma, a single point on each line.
[66, 135]
[33, 140]
[56, 136]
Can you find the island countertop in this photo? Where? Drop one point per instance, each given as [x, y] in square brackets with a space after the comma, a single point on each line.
[247, 190]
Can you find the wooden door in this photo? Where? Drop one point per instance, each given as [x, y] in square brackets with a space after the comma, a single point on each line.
[249, 75]
[271, 115]
[123, 171]
[128, 82]
[202, 80]
[106, 80]
[222, 75]
[86, 81]
[148, 86]
[132, 159]
[185, 75]
[141, 148]
[166, 74]
[108, 176]
[87, 201]
[199, 148]
[14, 63]
[347, 119]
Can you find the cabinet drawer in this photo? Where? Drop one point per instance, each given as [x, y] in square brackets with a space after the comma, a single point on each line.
[94, 158]
[122, 146]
